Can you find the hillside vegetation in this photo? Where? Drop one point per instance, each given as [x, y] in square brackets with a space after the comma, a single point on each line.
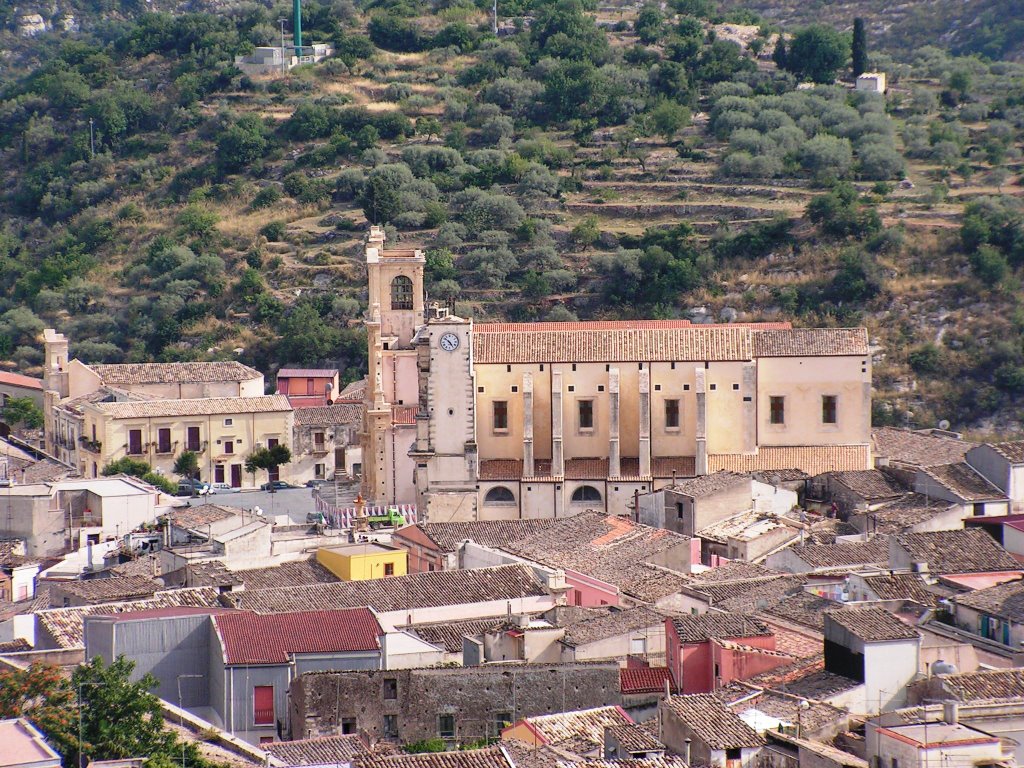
[590, 162]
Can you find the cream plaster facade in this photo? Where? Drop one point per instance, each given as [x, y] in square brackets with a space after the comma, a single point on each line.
[547, 419]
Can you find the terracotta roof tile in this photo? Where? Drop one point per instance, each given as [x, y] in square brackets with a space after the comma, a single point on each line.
[961, 551]
[395, 593]
[811, 342]
[803, 608]
[706, 485]
[612, 625]
[19, 380]
[339, 414]
[665, 466]
[869, 484]
[963, 481]
[901, 586]
[293, 574]
[985, 684]
[324, 750]
[636, 738]
[404, 415]
[249, 638]
[1003, 600]
[659, 761]
[703, 627]
[872, 624]
[814, 460]
[713, 722]
[492, 757]
[204, 406]
[448, 634]
[490, 533]
[1012, 451]
[168, 373]
[200, 515]
[874, 551]
[919, 449]
[905, 512]
[633, 680]
[586, 724]
[307, 373]
[108, 590]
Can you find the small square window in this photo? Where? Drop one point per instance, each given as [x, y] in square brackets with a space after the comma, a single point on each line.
[389, 569]
[657, 387]
[515, 388]
[480, 389]
[508, 369]
[229, 422]
[748, 399]
[600, 387]
[574, 366]
[713, 387]
[686, 387]
[672, 366]
[735, 387]
[572, 388]
[348, 725]
[390, 726]
[542, 366]
[391, 689]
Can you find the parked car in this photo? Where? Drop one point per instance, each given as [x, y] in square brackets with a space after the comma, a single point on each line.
[223, 488]
[277, 485]
[193, 488]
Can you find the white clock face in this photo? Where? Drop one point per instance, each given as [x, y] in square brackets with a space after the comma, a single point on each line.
[449, 342]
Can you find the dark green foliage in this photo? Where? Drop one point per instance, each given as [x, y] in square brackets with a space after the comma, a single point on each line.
[926, 359]
[859, 54]
[141, 470]
[241, 143]
[842, 213]
[305, 337]
[857, 280]
[563, 31]
[817, 53]
[24, 412]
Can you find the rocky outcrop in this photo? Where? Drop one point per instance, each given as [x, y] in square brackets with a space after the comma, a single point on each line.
[29, 24]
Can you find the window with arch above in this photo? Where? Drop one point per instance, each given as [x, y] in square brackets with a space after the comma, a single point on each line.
[500, 495]
[586, 493]
[401, 293]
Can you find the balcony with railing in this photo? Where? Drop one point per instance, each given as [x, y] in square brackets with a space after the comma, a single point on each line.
[92, 446]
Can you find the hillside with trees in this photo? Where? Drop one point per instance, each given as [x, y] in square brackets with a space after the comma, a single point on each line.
[587, 162]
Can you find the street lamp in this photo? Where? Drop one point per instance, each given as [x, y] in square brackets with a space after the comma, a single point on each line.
[802, 706]
[281, 21]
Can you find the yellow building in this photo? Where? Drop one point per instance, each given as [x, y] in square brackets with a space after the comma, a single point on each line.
[222, 430]
[539, 420]
[359, 562]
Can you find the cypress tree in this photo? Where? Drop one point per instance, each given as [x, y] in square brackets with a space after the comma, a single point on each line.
[779, 55]
[860, 47]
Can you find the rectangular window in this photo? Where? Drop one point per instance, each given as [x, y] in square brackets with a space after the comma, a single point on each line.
[829, 409]
[263, 705]
[192, 439]
[671, 414]
[319, 471]
[501, 720]
[348, 725]
[389, 569]
[310, 390]
[586, 414]
[319, 442]
[229, 446]
[978, 510]
[390, 726]
[390, 689]
[679, 510]
[163, 440]
[218, 473]
[638, 646]
[446, 726]
[777, 410]
[499, 408]
[229, 422]
[135, 441]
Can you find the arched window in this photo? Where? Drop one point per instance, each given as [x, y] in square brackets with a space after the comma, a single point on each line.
[586, 493]
[401, 293]
[499, 494]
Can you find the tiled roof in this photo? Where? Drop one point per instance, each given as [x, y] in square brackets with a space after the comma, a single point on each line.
[173, 373]
[697, 629]
[706, 485]
[19, 380]
[962, 551]
[249, 638]
[872, 624]
[650, 583]
[901, 586]
[308, 373]
[780, 475]
[324, 750]
[64, 625]
[661, 761]
[489, 533]
[340, 414]
[448, 634]
[17, 645]
[105, 395]
[811, 342]
[918, 449]
[749, 595]
[398, 593]
[110, 590]
[733, 570]
[802, 607]
[817, 714]
[874, 551]
[355, 391]
[586, 725]
[613, 325]
[713, 722]
[212, 573]
[905, 512]
[492, 757]
[636, 738]
[403, 414]
[203, 406]
[814, 460]
[633, 680]
[611, 625]
[870, 484]
[1012, 451]
[666, 466]
[605, 547]
[292, 574]
[1003, 600]
[607, 345]
[962, 481]
[202, 514]
[986, 684]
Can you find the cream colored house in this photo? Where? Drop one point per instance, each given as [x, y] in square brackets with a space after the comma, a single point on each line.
[222, 430]
[537, 420]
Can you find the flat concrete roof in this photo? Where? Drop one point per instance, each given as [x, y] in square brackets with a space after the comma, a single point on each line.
[362, 548]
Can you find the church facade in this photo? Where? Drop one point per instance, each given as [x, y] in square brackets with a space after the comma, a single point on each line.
[533, 420]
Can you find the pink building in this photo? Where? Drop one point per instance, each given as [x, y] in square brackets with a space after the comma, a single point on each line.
[308, 387]
[708, 651]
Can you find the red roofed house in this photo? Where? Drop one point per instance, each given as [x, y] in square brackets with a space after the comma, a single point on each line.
[235, 666]
[308, 387]
[17, 385]
[708, 651]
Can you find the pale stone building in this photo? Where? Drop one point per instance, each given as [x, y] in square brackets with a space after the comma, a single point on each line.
[534, 420]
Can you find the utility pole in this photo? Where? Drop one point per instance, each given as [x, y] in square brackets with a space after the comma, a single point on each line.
[297, 23]
[92, 140]
[495, 18]
[284, 67]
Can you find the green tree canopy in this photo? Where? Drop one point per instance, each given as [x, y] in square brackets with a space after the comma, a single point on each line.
[817, 53]
[23, 411]
[268, 458]
[140, 469]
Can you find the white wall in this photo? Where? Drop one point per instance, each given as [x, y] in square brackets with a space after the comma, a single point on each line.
[888, 669]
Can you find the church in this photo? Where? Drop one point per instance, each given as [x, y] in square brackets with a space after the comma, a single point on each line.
[501, 421]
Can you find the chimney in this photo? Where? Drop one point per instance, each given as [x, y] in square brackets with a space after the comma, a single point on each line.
[951, 712]
[686, 751]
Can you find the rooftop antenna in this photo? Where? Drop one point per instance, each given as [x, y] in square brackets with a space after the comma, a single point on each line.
[297, 13]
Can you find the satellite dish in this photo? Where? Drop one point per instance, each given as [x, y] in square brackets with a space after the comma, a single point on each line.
[944, 424]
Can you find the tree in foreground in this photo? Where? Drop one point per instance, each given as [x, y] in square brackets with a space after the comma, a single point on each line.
[269, 459]
[23, 411]
[141, 470]
[187, 465]
[817, 53]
